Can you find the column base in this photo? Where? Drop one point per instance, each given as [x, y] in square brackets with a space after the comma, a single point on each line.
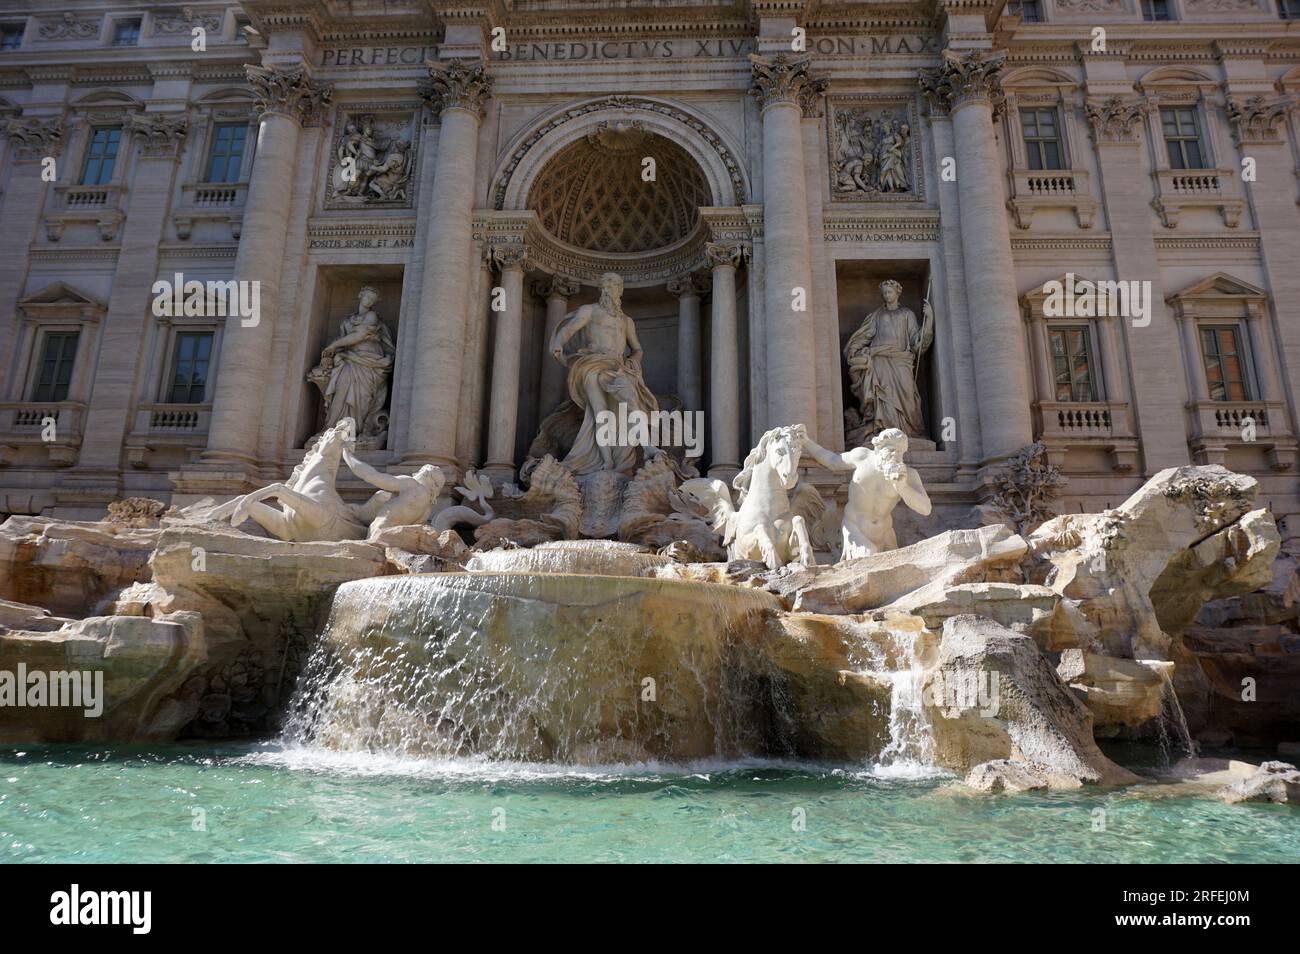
[498, 472]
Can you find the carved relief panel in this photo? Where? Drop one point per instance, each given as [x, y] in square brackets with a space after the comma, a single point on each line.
[373, 156]
[874, 149]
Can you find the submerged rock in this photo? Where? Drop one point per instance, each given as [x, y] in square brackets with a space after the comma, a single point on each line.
[138, 661]
[1273, 782]
[992, 695]
[1004, 775]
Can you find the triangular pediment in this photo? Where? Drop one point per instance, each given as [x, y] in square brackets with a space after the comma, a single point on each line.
[1219, 285]
[1036, 293]
[60, 298]
[58, 293]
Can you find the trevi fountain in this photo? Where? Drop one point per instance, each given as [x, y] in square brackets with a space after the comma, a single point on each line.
[547, 430]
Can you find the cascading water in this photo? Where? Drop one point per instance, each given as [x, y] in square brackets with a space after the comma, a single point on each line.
[579, 655]
[531, 666]
[1172, 717]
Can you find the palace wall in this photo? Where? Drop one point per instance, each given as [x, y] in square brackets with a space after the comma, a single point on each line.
[526, 181]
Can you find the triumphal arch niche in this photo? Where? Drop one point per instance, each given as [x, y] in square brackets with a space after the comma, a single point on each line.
[647, 190]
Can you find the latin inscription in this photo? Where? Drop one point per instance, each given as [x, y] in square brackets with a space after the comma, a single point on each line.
[665, 49]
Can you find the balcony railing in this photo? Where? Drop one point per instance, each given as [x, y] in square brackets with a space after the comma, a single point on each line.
[1179, 189]
[210, 201]
[1034, 189]
[1101, 425]
[27, 423]
[98, 205]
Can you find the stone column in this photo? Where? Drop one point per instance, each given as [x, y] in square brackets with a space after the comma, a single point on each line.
[1191, 348]
[724, 364]
[556, 292]
[783, 87]
[1040, 346]
[508, 333]
[31, 140]
[160, 136]
[967, 86]
[1111, 368]
[690, 384]
[1261, 349]
[1259, 126]
[287, 99]
[458, 91]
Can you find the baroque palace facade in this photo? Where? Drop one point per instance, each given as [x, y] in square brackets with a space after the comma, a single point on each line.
[418, 192]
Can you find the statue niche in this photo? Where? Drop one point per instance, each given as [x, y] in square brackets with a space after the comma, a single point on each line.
[883, 358]
[354, 371]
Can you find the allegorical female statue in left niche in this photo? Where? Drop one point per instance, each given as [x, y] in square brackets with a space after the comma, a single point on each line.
[354, 370]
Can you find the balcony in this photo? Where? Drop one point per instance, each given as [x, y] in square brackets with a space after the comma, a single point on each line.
[210, 202]
[54, 426]
[1098, 425]
[1034, 189]
[97, 205]
[1179, 189]
[158, 426]
[1219, 425]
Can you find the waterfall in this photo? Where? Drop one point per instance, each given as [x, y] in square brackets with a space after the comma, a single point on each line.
[1171, 715]
[533, 667]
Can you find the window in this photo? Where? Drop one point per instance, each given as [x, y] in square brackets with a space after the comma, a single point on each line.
[1042, 138]
[241, 22]
[11, 36]
[1288, 9]
[190, 367]
[58, 352]
[1072, 364]
[1154, 10]
[101, 157]
[226, 157]
[126, 33]
[1224, 363]
[1182, 137]
[1030, 11]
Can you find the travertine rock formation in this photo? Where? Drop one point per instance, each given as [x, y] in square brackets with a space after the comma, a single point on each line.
[1021, 710]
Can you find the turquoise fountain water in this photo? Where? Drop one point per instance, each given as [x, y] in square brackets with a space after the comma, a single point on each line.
[495, 717]
[268, 803]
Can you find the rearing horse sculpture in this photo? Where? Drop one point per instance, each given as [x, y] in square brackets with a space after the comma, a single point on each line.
[767, 527]
[310, 508]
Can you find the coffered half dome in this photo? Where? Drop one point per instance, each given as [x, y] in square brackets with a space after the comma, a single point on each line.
[595, 194]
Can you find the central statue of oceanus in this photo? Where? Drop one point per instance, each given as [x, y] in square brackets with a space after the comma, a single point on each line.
[604, 372]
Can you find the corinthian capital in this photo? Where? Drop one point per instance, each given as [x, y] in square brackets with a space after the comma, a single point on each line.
[1257, 119]
[289, 91]
[556, 286]
[1114, 119]
[785, 79]
[35, 138]
[510, 255]
[457, 85]
[161, 135]
[725, 253]
[970, 77]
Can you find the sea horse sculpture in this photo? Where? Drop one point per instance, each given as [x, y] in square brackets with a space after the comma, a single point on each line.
[767, 526]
